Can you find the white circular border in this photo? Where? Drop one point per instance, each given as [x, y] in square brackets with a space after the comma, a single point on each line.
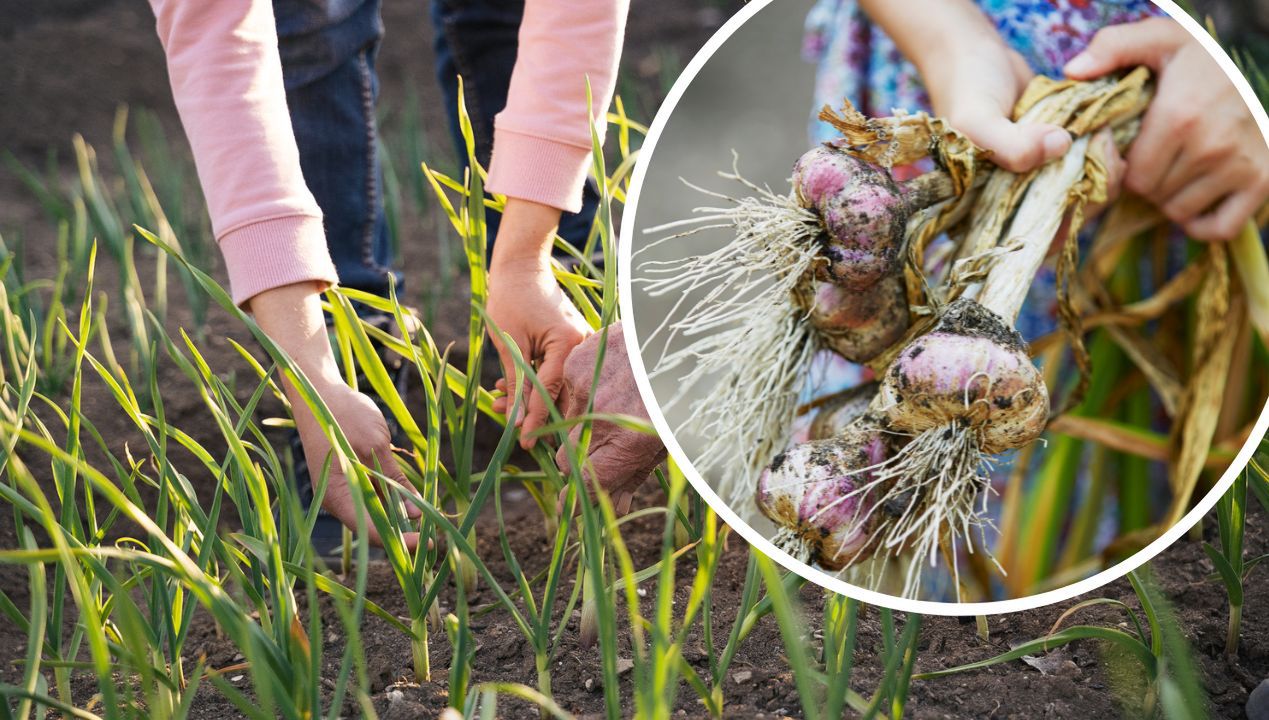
[755, 538]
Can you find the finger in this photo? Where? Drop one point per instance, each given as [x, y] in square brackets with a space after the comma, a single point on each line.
[338, 499]
[1116, 167]
[1017, 147]
[339, 503]
[613, 465]
[390, 466]
[508, 363]
[1152, 155]
[1121, 46]
[551, 377]
[656, 456]
[560, 500]
[1204, 154]
[1197, 198]
[621, 502]
[501, 404]
[1229, 218]
[411, 541]
[562, 460]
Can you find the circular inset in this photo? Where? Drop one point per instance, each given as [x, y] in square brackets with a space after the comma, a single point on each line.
[832, 337]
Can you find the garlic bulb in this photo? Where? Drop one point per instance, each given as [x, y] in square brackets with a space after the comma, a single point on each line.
[971, 368]
[814, 493]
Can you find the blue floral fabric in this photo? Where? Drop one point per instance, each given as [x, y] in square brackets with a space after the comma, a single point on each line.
[856, 60]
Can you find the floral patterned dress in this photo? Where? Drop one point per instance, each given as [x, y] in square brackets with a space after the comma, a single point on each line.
[856, 60]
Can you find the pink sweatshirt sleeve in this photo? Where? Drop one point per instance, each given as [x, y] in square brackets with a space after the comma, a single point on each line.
[226, 77]
[542, 143]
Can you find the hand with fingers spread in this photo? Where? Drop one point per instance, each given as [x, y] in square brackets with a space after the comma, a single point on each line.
[527, 304]
[1199, 155]
[292, 317]
[619, 459]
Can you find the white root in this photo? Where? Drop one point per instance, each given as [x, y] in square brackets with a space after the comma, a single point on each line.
[797, 548]
[748, 343]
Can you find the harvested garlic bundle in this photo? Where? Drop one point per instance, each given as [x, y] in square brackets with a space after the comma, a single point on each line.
[820, 268]
[967, 390]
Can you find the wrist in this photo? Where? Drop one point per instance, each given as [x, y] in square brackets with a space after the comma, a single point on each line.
[948, 31]
[526, 234]
[291, 315]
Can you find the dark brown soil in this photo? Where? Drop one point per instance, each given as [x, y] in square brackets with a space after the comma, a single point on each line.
[69, 62]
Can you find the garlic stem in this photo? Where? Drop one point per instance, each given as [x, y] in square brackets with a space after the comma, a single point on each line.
[1248, 253]
[1034, 224]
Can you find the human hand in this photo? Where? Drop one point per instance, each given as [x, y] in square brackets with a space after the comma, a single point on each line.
[527, 304]
[1199, 156]
[291, 316]
[618, 459]
[975, 83]
[367, 432]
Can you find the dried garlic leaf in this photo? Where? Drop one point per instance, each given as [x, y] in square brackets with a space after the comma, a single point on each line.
[1192, 434]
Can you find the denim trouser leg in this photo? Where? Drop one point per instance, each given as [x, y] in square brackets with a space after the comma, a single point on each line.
[478, 39]
[328, 50]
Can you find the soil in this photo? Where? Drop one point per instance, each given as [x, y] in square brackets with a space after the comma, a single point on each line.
[71, 61]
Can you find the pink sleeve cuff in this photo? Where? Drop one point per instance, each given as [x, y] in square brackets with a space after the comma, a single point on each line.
[538, 169]
[278, 251]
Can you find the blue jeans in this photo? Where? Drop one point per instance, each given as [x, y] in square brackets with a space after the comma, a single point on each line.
[328, 50]
[478, 39]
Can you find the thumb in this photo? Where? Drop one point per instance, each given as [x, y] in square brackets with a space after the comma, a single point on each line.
[1017, 147]
[1118, 46]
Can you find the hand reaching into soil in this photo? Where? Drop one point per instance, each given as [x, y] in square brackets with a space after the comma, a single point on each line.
[1199, 156]
[367, 432]
[620, 459]
[292, 316]
[526, 303]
